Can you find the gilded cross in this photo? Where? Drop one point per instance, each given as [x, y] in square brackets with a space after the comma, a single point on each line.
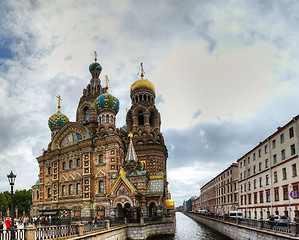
[130, 135]
[142, 71]
[107, 81]
[95, 56]
[59, 100]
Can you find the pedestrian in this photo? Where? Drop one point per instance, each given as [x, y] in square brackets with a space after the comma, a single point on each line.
[271, 220]
[8, 223]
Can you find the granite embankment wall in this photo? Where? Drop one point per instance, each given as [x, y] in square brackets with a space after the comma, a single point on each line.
[239, 232]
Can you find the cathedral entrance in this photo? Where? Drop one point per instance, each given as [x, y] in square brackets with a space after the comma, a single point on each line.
[153, 210]
[120, 211]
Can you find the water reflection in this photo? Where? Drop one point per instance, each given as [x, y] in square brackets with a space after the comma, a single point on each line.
[188, 229]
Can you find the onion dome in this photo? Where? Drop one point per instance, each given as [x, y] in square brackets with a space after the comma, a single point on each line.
[95, 66]
[105, 101]
[57, 120]
[142, 83]
[124, 130]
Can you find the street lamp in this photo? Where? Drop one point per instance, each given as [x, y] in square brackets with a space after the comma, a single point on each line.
[11, 179]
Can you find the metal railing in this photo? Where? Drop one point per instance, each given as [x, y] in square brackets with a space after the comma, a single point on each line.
[49, 232]
[6, 234]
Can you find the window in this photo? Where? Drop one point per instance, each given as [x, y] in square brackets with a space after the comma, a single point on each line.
[63, 190]
[71, 164]
[268, 196]
[261, 181]
[107, 118]
[260, 152]
[254, 183]
[71, 189]
[86, 115]
[275, 176]
[285, 193]
[101, 187]
[293, 149]
[101, 159]
[282, 138]
[254, 169]
[266, 148]
[283, 154]
[274, 159]
[248, 160]
[248, 172]
[266, 163]
[267, 179]
[49, 192]
[291, 132]
[276, 194]
[260, 166]
[255, 198]
[49, 170]
[78, 162]
[78, 188]
[240, 175]
[249, 198]
[241, 200]
[245, 174]
[284, 173]
[261, 197]
[253, 156]
[249, 186]
[63, 166]
[245, 187]
[274, 143]
[241, 188]
[255, 214]
[294, 170]
[244, 162]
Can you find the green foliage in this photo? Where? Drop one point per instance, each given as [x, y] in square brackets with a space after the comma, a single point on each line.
[22, 200]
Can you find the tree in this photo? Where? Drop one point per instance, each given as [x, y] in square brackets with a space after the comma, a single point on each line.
[4, 201]
[23, 200]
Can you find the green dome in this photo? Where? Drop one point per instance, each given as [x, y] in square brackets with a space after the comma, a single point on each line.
[106, 100]
[57, 120]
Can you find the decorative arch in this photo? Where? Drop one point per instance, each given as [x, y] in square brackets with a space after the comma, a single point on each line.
[91, 112]
[66, 132]
[122, 200]
[78, 177]
[63, 179]
[71, 178]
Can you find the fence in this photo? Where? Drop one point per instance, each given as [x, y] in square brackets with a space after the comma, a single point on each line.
[6, 234]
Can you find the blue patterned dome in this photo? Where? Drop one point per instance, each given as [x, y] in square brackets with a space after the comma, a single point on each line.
[57, 119]
[95, 66]
[124, 130]
[106, 100]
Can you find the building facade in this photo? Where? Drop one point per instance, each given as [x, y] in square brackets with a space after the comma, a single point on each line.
[220, 195]
[93, 168]
[269, 173]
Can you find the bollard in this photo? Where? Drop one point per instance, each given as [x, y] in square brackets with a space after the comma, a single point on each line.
[30, 233]
[141, 220]
[107, 224]
[293, 229]
[80, 229]
[259, 223]
[125, 220]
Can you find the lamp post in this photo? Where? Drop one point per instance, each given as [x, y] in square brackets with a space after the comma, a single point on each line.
[11, 179]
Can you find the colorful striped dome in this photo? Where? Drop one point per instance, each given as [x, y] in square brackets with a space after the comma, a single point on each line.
[106, 100]
[124, 130]
[95, 66]
[57, 119]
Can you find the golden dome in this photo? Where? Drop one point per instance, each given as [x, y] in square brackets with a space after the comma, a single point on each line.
[142, 83]
[169, 204]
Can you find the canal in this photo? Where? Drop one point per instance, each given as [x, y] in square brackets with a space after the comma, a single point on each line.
[189, 229]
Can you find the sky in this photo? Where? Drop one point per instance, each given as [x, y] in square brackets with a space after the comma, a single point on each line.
[225, 73]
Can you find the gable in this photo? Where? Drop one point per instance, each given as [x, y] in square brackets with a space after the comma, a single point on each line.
[123, 185]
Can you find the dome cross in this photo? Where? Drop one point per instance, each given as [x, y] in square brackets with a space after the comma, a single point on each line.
[59, 100]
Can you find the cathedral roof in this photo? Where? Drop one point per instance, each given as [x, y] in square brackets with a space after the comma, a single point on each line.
[155, 187]
[57, 120]
[142, 83]
[131, 154]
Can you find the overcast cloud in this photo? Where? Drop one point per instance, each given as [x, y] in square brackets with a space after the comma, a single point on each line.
[225, 72]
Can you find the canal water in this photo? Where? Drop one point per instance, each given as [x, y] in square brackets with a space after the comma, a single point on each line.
[189, 229]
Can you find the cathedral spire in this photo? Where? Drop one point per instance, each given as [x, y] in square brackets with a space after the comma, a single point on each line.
[107, 82]
[142, 70]
[95, 56]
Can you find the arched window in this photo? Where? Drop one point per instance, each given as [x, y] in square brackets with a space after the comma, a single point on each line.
[101, 186]
[151, 120]
[49, 192]
[86, 115]
[37, 195]
[140, 118]
[100, 120]
[71, 189]
[63, 190]
[107, 118]
[71, 164]
[101, 159]
[78, 188]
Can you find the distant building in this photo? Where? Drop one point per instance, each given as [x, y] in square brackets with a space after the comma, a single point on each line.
[220, 195]
[94, 168]
[269, 172]
[189, 204]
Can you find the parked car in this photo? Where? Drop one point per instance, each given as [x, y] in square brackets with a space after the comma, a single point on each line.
[235, 214]
[280, 220]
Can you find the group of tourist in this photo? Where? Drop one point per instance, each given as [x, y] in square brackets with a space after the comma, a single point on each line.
[18, 223]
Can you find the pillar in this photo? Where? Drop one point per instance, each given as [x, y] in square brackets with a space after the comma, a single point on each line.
[30, 233]
[293, 229]
[259, 224]
[107, 224]
[80, 229]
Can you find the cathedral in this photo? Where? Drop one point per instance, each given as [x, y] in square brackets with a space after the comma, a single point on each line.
[92, 168]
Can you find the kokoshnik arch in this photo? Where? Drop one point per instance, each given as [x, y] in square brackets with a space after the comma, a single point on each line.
[94, 168]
